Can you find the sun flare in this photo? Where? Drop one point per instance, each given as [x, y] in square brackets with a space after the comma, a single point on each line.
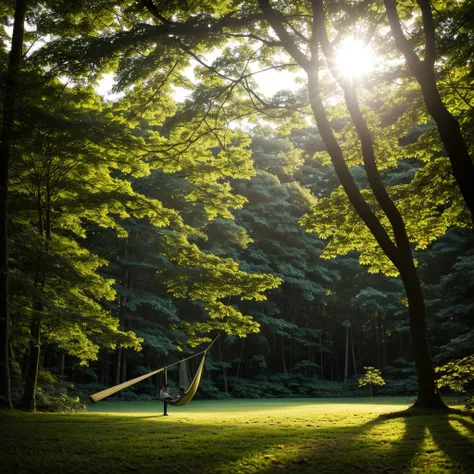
[354, 58]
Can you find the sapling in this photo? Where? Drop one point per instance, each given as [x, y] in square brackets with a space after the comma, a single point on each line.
[372, 376]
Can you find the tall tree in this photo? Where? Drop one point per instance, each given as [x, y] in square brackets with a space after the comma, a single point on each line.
[10, 93]
[398, 251]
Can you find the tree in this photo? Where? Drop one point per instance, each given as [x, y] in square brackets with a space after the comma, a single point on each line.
[347, 325]
[372, 376]
[10, 93]
[398, 250]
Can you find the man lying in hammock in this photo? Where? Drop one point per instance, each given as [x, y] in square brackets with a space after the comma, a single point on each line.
[166, 398]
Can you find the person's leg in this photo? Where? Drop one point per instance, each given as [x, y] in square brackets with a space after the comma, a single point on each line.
[165, 408]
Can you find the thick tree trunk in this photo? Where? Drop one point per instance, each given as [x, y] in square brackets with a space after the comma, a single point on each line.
[31, 378]
[428, 394]
[6, 137]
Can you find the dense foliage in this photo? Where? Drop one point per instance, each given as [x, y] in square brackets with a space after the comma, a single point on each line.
[142, 226]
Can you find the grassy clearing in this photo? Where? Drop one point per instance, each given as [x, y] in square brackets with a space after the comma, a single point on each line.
[242, 436]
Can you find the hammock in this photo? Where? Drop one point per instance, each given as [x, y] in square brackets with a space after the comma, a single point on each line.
[192, 388]
[185, 381]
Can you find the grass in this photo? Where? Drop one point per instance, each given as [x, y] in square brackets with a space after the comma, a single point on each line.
[239, 436]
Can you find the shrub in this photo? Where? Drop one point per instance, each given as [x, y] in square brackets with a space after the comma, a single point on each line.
[54, 394]
[457, 375]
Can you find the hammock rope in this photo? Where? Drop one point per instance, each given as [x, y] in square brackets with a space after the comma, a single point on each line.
[186, 380]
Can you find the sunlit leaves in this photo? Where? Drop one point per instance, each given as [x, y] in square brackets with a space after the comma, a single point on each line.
[372, 376]
[457, 374]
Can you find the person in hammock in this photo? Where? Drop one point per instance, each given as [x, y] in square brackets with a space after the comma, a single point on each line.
[165, 397]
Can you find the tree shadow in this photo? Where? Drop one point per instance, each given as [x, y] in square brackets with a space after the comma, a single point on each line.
[457, 447]
[363, 449]
[360, 453]
[153, 443]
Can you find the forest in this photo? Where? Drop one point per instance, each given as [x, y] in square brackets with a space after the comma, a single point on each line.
[176, 170]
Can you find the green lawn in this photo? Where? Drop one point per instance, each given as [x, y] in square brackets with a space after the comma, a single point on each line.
[290, 435]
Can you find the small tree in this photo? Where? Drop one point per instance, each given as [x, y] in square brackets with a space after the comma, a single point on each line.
[372, 376]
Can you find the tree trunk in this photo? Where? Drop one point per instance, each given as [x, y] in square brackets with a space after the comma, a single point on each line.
[118, 366]
[384, 343]
[336, 360]
[103, 367]
[353, 351]
[428, 395]
[283, 355]
[346, 359]
[31, 378]
[118, 358]
[108, 370]
[224, 371]
[63, 363]
[331, 367]
[6, 137]
[124, 366]
[292, 353]
[377, 339]
[128, 283]
[321, 353]
[44, 227]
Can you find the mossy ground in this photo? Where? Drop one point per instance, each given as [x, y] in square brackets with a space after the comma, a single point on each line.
[241, 436]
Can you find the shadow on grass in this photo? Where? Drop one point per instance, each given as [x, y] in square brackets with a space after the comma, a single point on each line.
[145, 444]
[366, 449]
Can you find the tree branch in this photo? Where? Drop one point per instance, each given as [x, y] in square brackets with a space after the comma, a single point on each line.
[334, 150]
[429, 31]
[153, 9]
[275, 44]
[413, 61]
[287, 41]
